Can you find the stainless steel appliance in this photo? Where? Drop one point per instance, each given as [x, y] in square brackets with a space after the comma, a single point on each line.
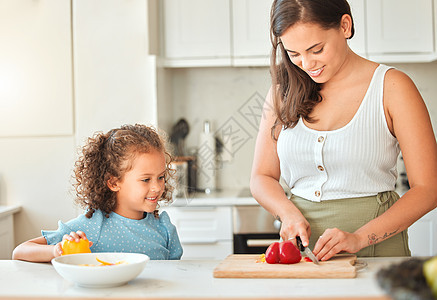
[254, 229]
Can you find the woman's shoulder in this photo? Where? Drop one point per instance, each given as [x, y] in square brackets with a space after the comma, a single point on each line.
[402, 99]
[396, 76]
[398, 85]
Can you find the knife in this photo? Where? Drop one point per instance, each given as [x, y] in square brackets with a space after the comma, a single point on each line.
[307, 251]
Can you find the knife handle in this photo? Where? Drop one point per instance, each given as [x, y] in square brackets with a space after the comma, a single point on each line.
[299, 244]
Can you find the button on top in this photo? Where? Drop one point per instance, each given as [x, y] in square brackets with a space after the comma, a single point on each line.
[317, 193]
[320, 139]
[321, 168]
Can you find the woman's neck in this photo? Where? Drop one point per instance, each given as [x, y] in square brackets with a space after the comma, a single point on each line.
[349, 70]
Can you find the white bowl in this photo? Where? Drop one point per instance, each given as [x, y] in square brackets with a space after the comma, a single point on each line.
[71, 268]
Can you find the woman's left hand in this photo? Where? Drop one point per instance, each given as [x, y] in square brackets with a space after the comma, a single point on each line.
[334, 241]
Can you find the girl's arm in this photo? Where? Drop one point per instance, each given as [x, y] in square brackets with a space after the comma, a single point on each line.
[264, 180]
[37, 250]
[409, 121]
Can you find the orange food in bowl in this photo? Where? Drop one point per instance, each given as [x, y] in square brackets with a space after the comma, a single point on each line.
[73, 247]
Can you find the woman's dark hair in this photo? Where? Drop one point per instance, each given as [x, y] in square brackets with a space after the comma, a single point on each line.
[294, 92]
[110, 155]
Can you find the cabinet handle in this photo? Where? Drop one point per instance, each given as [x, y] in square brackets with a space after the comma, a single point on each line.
[260, 242]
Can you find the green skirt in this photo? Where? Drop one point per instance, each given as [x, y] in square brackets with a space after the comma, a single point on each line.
[351, 214]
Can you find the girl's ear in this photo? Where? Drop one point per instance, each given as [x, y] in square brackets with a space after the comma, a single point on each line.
[112, 184]
[346, 25]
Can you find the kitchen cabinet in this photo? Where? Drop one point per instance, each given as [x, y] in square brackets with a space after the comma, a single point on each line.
[6, 237]
[196, 32]
[251, 32]
[385, 31]
[7, 244]
[35, 68]
[422, 235]
[205, 232]
[398, 31]
[215, 32]
[115, 77]
[358, 42]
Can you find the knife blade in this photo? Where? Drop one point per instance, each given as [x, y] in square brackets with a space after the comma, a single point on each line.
[306, 251]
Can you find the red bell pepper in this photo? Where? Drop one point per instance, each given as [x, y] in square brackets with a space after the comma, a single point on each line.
[272, 253]
[283, 253]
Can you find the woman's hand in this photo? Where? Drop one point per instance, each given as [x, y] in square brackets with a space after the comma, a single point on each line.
[295, 226]
[334, 241]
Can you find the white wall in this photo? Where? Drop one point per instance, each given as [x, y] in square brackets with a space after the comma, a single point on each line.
[225, 96]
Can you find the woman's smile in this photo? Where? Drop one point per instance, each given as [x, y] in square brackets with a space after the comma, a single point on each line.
[316, 73]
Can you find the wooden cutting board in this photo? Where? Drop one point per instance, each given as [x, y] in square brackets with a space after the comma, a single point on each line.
[245, 266]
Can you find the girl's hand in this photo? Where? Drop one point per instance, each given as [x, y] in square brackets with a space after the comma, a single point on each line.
[75, 236]
[295, 226]
[57, 249]
[334, 241]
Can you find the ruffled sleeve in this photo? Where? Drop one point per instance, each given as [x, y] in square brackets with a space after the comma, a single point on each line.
[91, 227]
[173, 243]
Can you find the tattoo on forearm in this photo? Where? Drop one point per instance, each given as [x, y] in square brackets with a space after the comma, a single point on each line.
[373, 239]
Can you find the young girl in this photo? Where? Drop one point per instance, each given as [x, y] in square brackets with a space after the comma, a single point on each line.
[334, 134]
[120, 178]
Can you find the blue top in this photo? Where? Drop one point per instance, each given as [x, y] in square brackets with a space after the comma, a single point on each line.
[154, 237]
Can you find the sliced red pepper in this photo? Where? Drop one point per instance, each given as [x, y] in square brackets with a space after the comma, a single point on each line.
[272, 253]
[288, 253]
[283, 253]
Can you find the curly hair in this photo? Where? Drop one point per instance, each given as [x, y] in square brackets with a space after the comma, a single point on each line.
[110, 155]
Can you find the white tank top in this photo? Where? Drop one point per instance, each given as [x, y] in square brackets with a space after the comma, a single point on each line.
[356, 160]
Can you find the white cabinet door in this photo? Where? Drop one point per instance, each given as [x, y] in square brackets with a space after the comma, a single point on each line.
[251, 32]
[6, 237]
[115, 80]
[35, 68]
[204, 232]
[358, 42]
[400, 26]
[422, 235]
[195, 30]
[207, 251]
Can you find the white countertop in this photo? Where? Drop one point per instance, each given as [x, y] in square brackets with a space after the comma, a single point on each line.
[225, 197]
[6, 210]
[187, 279]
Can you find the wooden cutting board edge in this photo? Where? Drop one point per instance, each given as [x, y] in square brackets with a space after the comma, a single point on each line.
[245, 266]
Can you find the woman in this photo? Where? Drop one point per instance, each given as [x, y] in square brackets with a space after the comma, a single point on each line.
[333, 127]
